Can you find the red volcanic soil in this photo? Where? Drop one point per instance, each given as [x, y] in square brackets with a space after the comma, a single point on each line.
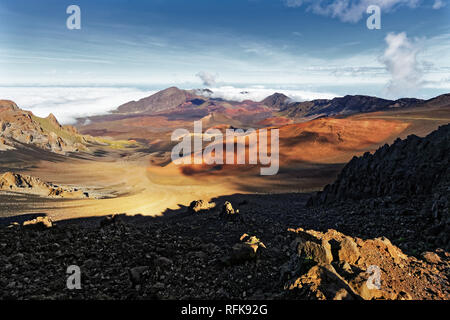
[145, 126]
[321, 141]
[335, 140]
[152, 129]
[275, 122]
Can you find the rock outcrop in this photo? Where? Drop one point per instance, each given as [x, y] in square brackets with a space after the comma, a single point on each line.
[410, 167]
[27, 184]
[409, 178]
[332, 265]
[19, 127]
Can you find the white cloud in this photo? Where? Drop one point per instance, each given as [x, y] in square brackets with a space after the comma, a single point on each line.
[258, 93]
[68, 103]
[207, 78]
[293, 3]
[438, 4]
[400, 60]
[349, 11]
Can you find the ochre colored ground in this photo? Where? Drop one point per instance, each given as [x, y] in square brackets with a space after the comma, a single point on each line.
[138, 182]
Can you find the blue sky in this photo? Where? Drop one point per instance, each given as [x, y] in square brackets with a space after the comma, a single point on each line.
[315, 46]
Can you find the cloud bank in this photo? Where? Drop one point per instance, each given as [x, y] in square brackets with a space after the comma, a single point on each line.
[400, 60]
[258, 93]
[69, 103]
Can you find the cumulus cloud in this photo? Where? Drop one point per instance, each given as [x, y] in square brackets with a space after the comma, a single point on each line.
[349, 11]
[207, 78]
[400, 60]
[438, 4]
[258, 93]
[69, 103]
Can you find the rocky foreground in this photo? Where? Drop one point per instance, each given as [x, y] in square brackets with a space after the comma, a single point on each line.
[216, 253]
[379, 237]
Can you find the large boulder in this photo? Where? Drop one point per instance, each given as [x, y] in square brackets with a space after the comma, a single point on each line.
[332, 265]
[309, 247]
[319, 252]
[324, 283]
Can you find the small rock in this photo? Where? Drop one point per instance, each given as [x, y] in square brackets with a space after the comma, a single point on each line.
[345, 267]
[252, 242]
[242, 252]
[431, 257]
[159, 286]
[228, 211]
[200, 205]
[136, 274]
[404, 296]
[359, 285]
[163, 262]
[348, 251]
[110, 220]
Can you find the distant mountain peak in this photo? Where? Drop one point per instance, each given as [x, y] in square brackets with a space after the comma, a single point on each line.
[439, 101]
[344, 106]
[276, 100]
[163, 100]
[172, 89]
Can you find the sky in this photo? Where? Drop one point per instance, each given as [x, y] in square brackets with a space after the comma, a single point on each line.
[310, 49]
